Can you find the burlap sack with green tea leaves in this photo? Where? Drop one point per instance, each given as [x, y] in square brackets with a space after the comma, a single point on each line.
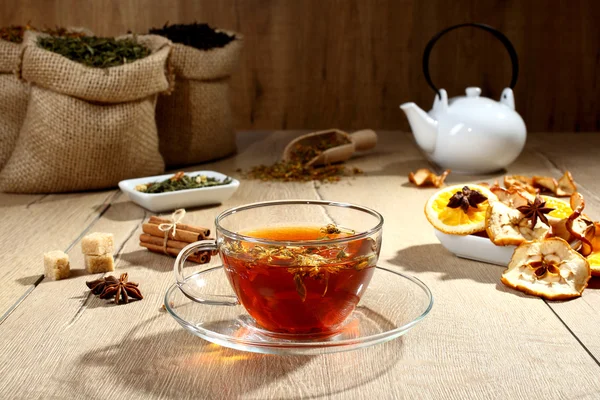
[13, 99]
[87, 128]
[195, 122]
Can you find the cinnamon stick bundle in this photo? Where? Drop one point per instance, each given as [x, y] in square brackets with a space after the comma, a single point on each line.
[174, 244]
[164, 242]
[197, 229]
[180, 234]
[201, 257]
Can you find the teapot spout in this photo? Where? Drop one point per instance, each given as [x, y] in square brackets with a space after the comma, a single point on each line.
[424, 127]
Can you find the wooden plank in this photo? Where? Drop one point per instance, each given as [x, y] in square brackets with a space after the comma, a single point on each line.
[480, 341]
[580, 158]
[35, 224]
[348, 64]
[468, 294]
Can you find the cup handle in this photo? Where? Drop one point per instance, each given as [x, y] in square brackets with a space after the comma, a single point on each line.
[217, 300]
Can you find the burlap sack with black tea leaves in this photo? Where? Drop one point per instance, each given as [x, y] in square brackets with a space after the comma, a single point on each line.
[195, 122]
[87, 128]
[13, 99]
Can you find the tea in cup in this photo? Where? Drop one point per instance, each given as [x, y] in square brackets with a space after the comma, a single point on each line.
[298, 266]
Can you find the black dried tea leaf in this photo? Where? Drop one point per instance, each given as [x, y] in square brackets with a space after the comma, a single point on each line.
[199, 36]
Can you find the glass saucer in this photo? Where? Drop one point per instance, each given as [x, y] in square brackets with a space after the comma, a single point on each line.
[390, 307]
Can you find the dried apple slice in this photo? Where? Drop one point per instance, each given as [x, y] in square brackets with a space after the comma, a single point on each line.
[425, 177]
[566, 185]
[521, 182]
[513, 197]
[547, 268]
[508, 226]
[580, 227]
[545, 183]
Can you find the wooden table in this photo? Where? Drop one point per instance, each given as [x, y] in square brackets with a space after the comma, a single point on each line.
[481, 340]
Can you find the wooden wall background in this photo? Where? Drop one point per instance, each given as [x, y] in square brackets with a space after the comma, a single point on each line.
[313, 64]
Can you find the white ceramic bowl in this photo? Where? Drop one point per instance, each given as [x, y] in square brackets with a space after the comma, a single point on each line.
[476, 248]
[170, 201]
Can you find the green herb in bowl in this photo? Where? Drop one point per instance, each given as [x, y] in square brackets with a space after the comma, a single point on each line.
[181, 181]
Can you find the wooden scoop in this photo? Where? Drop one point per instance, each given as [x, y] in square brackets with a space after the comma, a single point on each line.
[359, 141]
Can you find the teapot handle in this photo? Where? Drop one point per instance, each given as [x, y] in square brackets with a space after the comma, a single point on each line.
[499, 35]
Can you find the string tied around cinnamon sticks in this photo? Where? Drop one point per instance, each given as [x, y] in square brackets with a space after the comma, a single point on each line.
[169, 236]
[171, 227]
[176, 217]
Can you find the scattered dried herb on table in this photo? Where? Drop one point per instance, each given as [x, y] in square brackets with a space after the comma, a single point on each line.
[95, 51]
[295, 169]
[289, 171]
[181, 181]
[199, 36]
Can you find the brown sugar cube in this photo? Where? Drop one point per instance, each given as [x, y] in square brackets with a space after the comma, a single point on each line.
[97, 243]
[56, 265]
[102, 263]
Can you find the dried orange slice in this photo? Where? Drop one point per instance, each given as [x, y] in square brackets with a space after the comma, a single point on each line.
[594, 261]
[462, 220]
[594, 258]
[561, 208]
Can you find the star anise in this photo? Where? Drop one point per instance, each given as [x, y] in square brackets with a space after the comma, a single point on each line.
[98, 285]
[536, 210]
[541, 268]
[120, 289]
[466, 198]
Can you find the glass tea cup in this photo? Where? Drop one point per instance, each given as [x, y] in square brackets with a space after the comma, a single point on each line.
[296, 266]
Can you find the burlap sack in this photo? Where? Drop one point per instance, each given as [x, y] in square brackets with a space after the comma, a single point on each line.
[13, 99]
[195, 122]
[87, 128]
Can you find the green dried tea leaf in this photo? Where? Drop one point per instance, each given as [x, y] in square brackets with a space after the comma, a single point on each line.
[94, 51]
[181, 181]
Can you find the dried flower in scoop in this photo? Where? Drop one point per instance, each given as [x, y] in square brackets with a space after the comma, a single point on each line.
[424, 177]
[120, 289]
[548, 268]
[466, 198]
[536, 209]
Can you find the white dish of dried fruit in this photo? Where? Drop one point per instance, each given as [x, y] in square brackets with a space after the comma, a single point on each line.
[476, 248]
[474, 241]
[550, 247]
[207, 188]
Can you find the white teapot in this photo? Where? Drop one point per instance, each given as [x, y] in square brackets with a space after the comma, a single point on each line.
[469, 134]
